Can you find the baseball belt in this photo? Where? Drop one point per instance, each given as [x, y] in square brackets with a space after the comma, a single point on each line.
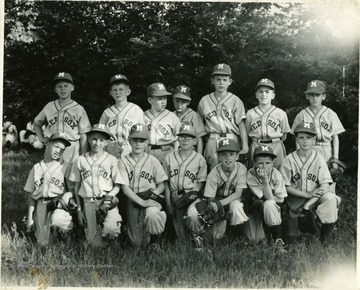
[266, 141]
[164, 147]
[222, 135]
[321, 143]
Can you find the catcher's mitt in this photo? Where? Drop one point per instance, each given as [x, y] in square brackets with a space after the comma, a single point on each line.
[145, 195]
[307, 222]
[207, 211]
[109, 202]
[186, 199]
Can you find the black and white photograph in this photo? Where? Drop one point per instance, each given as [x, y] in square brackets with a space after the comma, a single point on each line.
[179, 144]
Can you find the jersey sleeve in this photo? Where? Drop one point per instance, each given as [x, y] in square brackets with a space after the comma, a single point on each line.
[298, 119]
[337, 127]
[159, 173]
[166, 165]
[84, 123]
[199, 125]
[202, 173]
[124, 177]
[254, 183]
[200, 110]
[278, 184]
[211, 184]
[285, 127]
[241, 181]
[324, 175]
[285, 171]
[177, 125]
[40, 119]
[75, 175]
[104, 118]
[30, 186]
[239, 111]
[248, 122]
[115, 173]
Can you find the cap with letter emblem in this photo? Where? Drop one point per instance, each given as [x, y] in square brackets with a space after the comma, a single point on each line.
[228, 145]
[63, 76]
[182, 92]
[119, 78]
[157, 90]
[305, 128]
[101, 128]
[187, 129]
[265, 83]
[139, 131]
[222, 69]
[264, 150]
[316, 87]
[61, 137]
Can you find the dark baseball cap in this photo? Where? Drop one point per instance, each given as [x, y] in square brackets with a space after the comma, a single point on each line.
[222, 69]
[139, 131]
[187, 129]
[61, 137]
[316, 87]
[264, 150]
[157, 90]
[119, 78]
[228, 145]
[266, 83]
[182, 92]
[305, 128]
[63, 76]
[101, 128]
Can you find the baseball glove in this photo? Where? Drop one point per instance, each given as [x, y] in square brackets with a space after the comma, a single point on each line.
[336, 173]
[109, 202]
[207, 212]
[307, 222]
[145, 195]
[186, 199]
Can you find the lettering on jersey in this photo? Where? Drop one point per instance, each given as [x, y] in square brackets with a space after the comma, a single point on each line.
[146, 176]
[39, 182]
[326, 126]
[227, 115]
[131, 174]
[210, 115]
[128, 122]
[191, 176]
[311, 177]
[53, 121]
[112, 123]
[174, 172]
[103, 173]
[256, 125]
[273, 124]
[294, 178]
[57, 182]
[163, 130]
[85, 174]
[70, 122]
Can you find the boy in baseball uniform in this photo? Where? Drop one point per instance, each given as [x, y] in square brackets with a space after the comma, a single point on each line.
[267, 124]
[223, 114]
[187, 171]
[182, 99]
[46, 185]
[225, 182]
[326, 122]
[306, 178]
[142, 181]
[121, 116]
[163, 124]
[97, 182]
[64, 116]
[268, 188]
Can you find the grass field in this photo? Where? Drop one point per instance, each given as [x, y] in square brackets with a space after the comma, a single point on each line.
[231, 263]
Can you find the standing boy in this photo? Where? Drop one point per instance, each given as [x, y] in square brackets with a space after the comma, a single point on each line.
[64, 116]
[97, 182]
[267, 124]
[46, 185]
[223, 114]
[306, 178]
[142, 180]
[182, 99]
[163, 124]
[224, 185]
[326, 122]
[121, 116]
[187, 171]
[267, 186]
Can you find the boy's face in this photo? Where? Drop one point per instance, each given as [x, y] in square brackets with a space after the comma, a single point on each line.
[264, 95]
[158, 103]
[228, 159]
[138, 145]
[120, 92]
[221, 83]
[305, 140]
[180, 105]
[187, 141]
[314, 99]
[55, 149]
[64, 89]
[263, 162]
[97, 142]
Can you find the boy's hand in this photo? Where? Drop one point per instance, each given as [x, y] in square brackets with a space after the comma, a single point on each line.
[29, 225]
[318, 192]
[81, 218]
[262, 173]
[150, 202]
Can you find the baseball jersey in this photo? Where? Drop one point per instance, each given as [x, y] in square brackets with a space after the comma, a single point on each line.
[121, 121]
[163, 128]
[97, 176]
[221, 116]
[272, 123]
[276, 183]
[71, 120]
[192, 118]
[326, 123]
[185, 174]
[219, 184]
[305, 176]
[47, 180]
[141, 175]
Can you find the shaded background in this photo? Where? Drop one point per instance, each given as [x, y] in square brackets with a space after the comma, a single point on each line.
[179, 43]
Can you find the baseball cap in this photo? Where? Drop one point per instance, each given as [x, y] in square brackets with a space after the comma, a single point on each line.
[264, 150]
[228, 145]
[60, 136]
[101, 128]
[265, 82]
[63, 76]
[157, 90]
[222, 69]
[140, 131]
[316, 86]
[305, 128]
[182, 92]
[187, 129]
[119, 78]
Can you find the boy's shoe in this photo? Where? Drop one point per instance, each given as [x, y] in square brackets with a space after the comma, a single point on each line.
[198, 241]
[280, 245]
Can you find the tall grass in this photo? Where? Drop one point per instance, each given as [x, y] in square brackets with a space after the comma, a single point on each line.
[230, 263]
